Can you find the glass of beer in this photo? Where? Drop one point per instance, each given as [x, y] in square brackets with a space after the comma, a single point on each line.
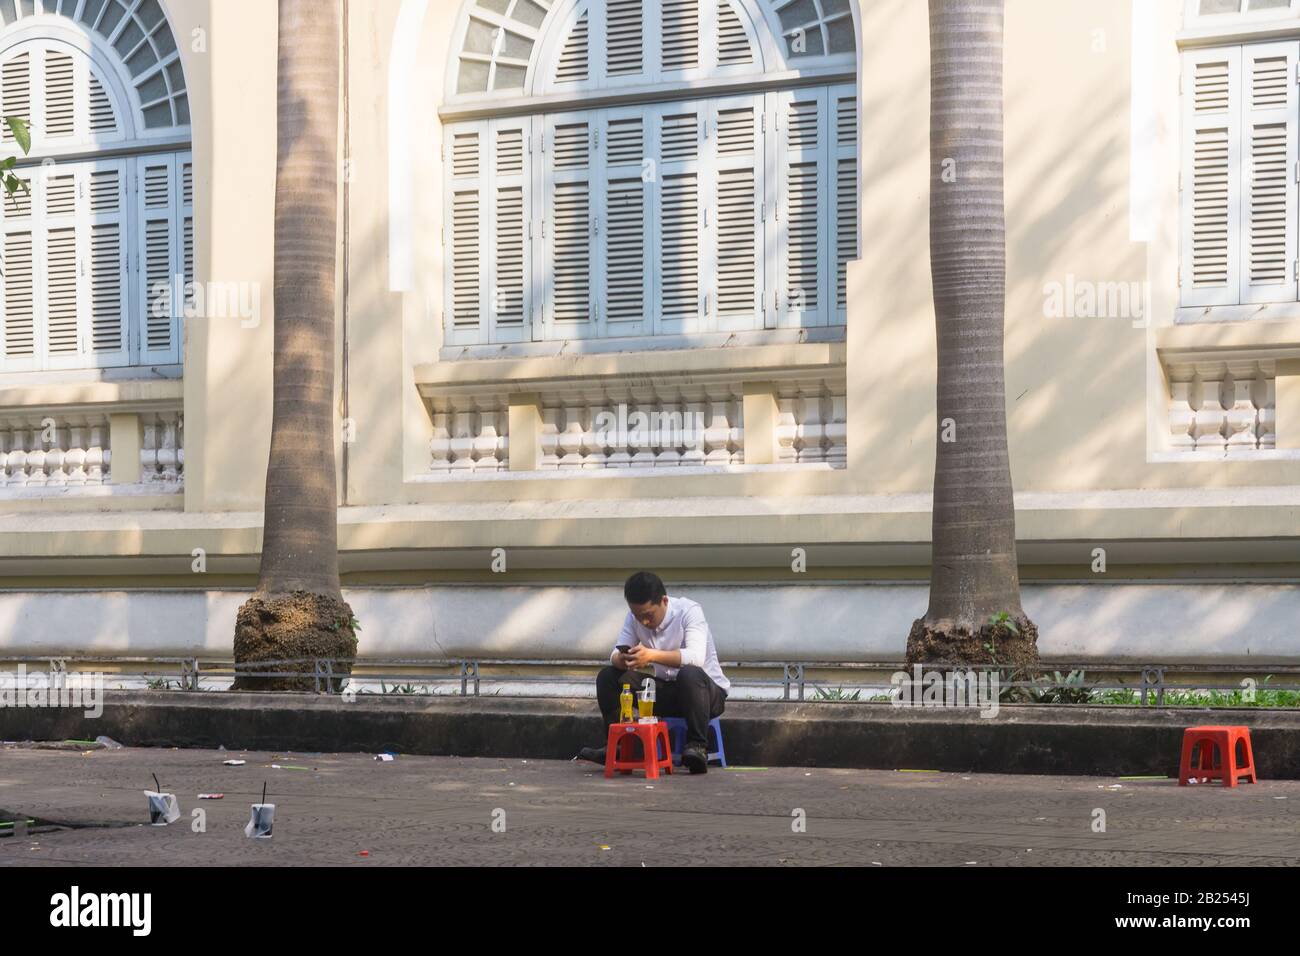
[645, 707]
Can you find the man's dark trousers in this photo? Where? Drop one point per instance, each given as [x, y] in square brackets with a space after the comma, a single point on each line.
[692, 696]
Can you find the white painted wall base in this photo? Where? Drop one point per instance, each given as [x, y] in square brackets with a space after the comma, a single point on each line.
[1181, 623]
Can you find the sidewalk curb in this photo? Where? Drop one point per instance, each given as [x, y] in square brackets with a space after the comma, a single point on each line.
[1021, 739]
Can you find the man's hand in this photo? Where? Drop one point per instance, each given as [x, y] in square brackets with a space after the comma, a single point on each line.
[639, 658]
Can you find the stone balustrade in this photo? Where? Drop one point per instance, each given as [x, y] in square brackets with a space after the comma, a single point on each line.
[1223, 409]
[617, 424]
[74, 448]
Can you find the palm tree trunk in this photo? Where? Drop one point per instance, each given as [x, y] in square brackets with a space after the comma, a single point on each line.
[975, 614]
[298, 610]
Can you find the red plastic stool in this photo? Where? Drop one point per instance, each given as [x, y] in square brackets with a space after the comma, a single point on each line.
[650, 735]
[1224, 740]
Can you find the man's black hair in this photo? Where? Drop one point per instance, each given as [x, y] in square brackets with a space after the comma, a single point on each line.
[644, 587]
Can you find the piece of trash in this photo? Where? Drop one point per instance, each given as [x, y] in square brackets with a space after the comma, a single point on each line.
[1115, 786]
[364, 853]
[1279, 798]
[287, 766]
[262, 818]
[876, 863]
[965, 778]
[603, 847]
[386, 758]
[211, 796]
[648, 787]
[234, 763]
[744, 768]
[809, 774]
[1192, 780]
[163, 808]
[221, 747]
[108, 743]
[972, 863]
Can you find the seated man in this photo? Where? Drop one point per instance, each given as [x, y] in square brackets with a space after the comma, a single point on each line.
[670, 637]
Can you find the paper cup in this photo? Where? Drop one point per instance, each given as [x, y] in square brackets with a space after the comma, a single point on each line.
[163, 808]
[260, 821]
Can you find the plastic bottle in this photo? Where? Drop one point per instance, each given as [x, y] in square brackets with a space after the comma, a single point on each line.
[625, 705]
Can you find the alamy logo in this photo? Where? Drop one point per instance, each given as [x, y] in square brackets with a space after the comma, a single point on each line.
[933, 688]
[103, 909]
[60, 688]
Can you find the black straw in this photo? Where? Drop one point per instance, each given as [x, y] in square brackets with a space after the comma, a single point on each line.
[263, 793]
[156, 783]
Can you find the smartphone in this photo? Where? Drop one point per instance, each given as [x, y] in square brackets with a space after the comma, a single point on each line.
[623, 649]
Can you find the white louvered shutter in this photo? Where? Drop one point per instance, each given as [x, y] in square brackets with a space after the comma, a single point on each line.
[844, 174]
[679, 36]
[105, 288]
[574, 64]
[59, 120]
[570, 225]
[466, 217]
[58, 255]
[1211, 177]
[159, 258]
[189, 292]
[1268, 196]
[730, 44]
[18, 290]
[626, 28]
[15, 91]
[680, 247]
[625, 268]
[803, 205]
[736, 229]
[507, 244]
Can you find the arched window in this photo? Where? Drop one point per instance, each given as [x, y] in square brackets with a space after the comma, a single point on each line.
[649, 168]
[98, 253]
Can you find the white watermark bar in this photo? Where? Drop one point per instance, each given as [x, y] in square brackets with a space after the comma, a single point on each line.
[59, 688]
[958, 688]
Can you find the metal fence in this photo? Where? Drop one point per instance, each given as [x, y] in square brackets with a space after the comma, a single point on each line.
[826, 680]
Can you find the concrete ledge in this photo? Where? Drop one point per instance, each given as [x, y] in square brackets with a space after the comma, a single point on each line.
[1035, 740]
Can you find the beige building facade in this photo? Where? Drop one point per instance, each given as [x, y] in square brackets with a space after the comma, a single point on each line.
[645, 283]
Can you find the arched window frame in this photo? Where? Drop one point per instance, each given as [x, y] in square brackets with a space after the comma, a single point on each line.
[774, 86]
[110, 267]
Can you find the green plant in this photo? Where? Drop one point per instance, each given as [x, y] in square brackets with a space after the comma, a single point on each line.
[999, 623]
[160, 683]
[23, 137]
[1057, 689]
[835, 693]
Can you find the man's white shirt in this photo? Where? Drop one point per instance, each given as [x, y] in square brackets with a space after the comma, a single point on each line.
[683, 629]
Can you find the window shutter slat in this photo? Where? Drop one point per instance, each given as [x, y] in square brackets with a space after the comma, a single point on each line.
[845, 116]
[626, 278]
[16, 91]
[466, 236]
[509, 258]
[625, 38]
[1211, 200]
[804, 197]
[60, 95]
[570, 212]
[738, 231]
[1268, 221]
[574, 65]
[734, 48]
[19, 303]
[680, 35]
[159, 258]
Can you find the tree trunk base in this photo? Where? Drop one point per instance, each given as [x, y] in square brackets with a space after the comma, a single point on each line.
[952, 643]
[281, 627]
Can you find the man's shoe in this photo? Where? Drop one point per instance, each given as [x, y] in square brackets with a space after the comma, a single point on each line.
[594, 754]
[695, 759]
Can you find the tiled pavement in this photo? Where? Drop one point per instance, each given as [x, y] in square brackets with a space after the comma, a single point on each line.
[441, 810]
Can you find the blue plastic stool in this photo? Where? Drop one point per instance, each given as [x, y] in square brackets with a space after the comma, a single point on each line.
[677, 733]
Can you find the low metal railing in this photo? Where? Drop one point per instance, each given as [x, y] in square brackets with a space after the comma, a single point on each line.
[796, 677]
